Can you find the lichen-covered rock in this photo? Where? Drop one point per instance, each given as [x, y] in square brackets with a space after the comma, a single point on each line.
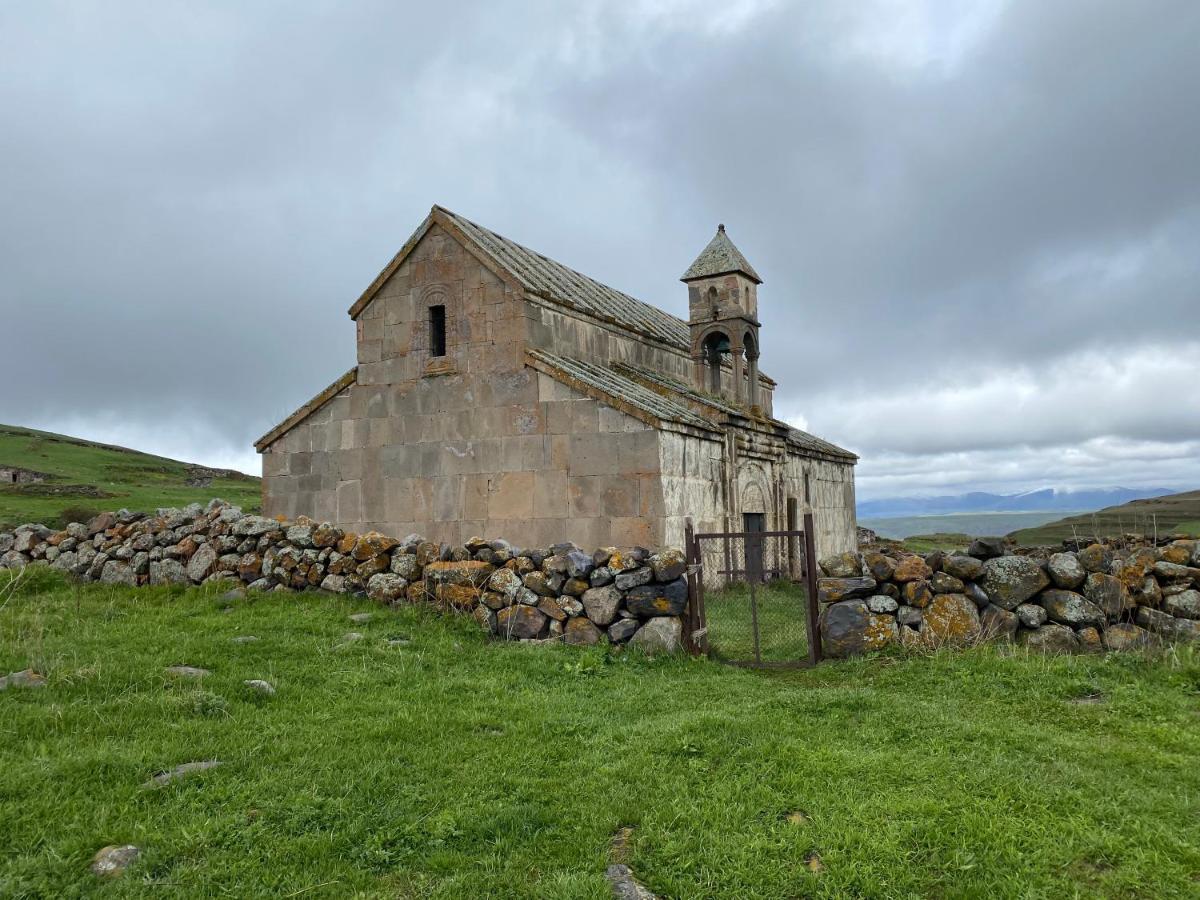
[1167, 626]
[1127, 636]
[667, 565]
[878, 566]
[335, 584]
[663, 634]
[945, 583]
[1070, 608]
[950, 619]
[1108, 593]
[998, 624]
[1095, 558]
[253, 526]
[832, 590]
[1184, 605]
[117, 572]
[1050, 638]
[841, 565]
[385, 587]
[505, 582]
[372, 544]
[203, 563]
[168, 571]
[849, 628]
[626, 581]
[916, 593]
[911, 568]
[1089, 639]
[580, 631]
[542, 584]
[881, 603]
[520, 622]
[909, 615]
[113, 860]
[652, 600]
[965, 568]
[1065, 571]
[1011, 580]
[601, 604]
[1031, 615]
[1178, 552]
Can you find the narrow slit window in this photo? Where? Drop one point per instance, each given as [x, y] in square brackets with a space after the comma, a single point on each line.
[437, 330]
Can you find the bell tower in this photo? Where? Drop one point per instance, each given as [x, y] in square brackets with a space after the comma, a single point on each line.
[723, 319]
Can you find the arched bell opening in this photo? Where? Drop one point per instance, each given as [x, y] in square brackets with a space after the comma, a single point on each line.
[715, 348]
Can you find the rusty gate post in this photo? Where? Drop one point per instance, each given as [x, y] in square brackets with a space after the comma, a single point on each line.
[810, 585]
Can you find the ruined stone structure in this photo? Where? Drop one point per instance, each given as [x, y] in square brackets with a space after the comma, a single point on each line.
[499, 392]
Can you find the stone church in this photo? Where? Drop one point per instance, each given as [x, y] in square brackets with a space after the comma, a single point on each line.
[500, 393]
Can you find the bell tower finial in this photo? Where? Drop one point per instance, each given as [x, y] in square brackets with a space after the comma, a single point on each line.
[723, 320]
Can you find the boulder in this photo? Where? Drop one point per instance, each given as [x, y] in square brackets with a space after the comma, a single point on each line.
[878, 566]
[113, 860]
[966, 568]
[916, 593]
[1185, 605]
[1066, 571]
[976, 593]
[372, 544]
[117, 572]
[543, 584]
[1108, 593]
[1127, 636]
[831, 590]
[622, 630]
[203, 563]
[998, 624]
[506, 583]
[950, 619]
[1095, 558]
[168, 571]
[385, 587]
[945, 583]
[552, 608]
[667, 565]
[1167, 626]
[601, 604]
[1089, 639]
[520, 622]
[911, 568]
[841, 565]
[1031, 615]
[986, 548]
[1050, 638]
[881, 603]
[663, 634]
[626, 581]
[651, 600]
[581, 632]
[1011, 580]
[849, 628]
[1070, 608]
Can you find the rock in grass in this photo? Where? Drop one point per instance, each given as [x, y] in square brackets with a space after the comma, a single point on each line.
[998, 624]
[26, 678]
[581, 631]
[1050, 638]
[849, 628]
[181, 771]
[360, 618]
[951, 619]
[113, 860]
[260, 686]
[187, 671]
[244, 639]
[662, 634]
[1127, 636]
[624, 886]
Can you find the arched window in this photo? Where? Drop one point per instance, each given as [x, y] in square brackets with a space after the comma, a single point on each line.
[752, 368]
[716, 346]
[714, 304]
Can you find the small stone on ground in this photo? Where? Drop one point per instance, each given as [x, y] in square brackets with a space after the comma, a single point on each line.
[113, 860]
[263, 687]
[181, 771]
[244, 639]
[624, 885]
[360, 618]
[187, 671]
[27, 678]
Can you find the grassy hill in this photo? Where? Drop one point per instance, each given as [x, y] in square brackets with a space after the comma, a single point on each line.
[84, 477]
[1174, 512]
[421, 760]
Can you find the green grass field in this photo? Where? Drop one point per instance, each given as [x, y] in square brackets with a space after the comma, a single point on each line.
[448, 766]
[90, 478]
[1169, 514]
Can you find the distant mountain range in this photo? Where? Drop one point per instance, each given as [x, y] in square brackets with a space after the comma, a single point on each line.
[1028, 501]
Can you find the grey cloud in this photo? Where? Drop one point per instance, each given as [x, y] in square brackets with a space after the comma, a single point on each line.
[196, 193]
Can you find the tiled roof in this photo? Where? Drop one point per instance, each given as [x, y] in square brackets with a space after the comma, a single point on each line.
[544, 277]
[719, 258]
[621, 389]
[815, 444]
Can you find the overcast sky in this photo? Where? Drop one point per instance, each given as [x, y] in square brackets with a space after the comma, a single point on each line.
[978, 223]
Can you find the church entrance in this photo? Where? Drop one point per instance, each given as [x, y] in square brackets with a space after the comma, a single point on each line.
[754, 524]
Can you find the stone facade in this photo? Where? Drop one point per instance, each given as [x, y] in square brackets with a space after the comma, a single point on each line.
[498, 392]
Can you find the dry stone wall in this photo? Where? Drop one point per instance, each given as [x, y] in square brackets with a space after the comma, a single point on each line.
[1099, 597]
[622, 595]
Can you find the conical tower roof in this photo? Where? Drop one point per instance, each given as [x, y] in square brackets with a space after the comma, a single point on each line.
[720, 257]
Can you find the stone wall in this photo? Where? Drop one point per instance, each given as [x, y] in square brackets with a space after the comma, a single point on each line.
[1099, 597]
[622, 595]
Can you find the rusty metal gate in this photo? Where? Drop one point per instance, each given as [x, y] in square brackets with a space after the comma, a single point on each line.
[753, 595]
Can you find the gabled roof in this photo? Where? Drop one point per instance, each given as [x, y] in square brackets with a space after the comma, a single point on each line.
[617, 390]
[542, 277]
[666, 383]
[720, 257]
[306, 410]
